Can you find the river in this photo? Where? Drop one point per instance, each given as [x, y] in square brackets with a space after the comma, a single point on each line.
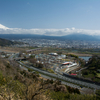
[85, 58]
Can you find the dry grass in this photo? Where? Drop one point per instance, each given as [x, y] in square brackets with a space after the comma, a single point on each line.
[12, 49]
[62, 70]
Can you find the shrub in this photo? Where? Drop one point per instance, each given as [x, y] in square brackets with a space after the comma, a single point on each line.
[2, 79]
[16, 87]
[30, 70]
[8, 65]
[23, 73]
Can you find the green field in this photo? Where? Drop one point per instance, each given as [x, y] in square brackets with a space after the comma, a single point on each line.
[98, 75]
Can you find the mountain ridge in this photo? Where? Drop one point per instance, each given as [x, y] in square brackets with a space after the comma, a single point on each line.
[75, 36]
[81, 37]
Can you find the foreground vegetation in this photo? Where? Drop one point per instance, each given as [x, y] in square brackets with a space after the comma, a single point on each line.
[16, 83]
[93, 69]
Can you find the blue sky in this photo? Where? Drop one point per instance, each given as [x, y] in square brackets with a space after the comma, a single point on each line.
[50, 14]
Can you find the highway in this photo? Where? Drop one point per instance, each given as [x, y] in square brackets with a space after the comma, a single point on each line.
[67, 81]
[94, 86]
[82, 90]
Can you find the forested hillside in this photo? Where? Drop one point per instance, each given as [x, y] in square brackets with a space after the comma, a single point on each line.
[4, 42]
[93, 69]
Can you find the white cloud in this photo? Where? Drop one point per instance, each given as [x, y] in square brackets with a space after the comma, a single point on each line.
[73, 28]
[49, 32]
[3, 27]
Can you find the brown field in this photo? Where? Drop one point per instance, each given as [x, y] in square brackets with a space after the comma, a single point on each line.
[79, 54]
[12, 49]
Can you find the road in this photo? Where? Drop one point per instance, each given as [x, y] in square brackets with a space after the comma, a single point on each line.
[94, 86]
[14, 56]
[82, 69]
[53, 76]
[82, 90]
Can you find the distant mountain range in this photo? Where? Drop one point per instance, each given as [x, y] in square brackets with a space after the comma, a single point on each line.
[67, 37]
[81, 37]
